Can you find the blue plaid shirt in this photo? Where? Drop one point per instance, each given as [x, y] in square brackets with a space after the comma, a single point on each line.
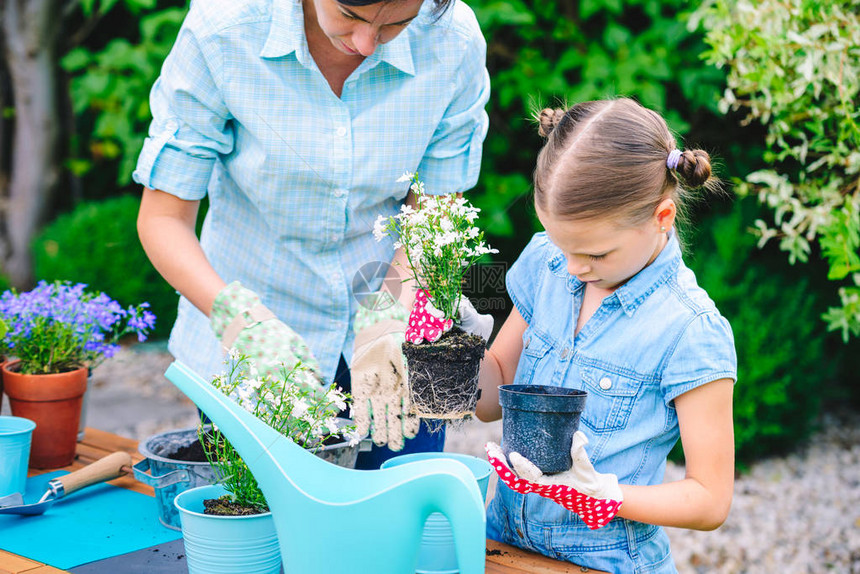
[295, 175]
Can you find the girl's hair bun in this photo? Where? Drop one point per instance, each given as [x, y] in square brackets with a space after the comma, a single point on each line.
[695, 167]
[548, 118]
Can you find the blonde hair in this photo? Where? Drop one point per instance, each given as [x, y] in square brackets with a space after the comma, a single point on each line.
[607, 158]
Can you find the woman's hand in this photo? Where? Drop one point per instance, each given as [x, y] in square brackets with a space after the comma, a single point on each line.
[380, 396]
[241, 321]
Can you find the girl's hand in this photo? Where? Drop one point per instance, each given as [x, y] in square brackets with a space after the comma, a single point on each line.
[473, 322]
[595, 497]
[470, 321]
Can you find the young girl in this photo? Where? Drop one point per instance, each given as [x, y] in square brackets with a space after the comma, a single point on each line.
[604, 303]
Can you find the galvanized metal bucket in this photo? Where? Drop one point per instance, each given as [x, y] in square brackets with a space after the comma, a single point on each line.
[169, 477]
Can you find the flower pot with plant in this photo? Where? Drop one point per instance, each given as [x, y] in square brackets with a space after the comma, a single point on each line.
[208, 514]
[55, 334]
[441, 243]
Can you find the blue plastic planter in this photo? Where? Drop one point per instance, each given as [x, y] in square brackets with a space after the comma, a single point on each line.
[226, 544]
[16, 434]
[437, 553]
[538, 421]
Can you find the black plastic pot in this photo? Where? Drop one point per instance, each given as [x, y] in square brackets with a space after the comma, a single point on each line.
[538, 421]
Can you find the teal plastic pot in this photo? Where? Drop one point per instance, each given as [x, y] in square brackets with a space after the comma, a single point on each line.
[437, 553]
[16, 433]
[226, 544]
[538, 421]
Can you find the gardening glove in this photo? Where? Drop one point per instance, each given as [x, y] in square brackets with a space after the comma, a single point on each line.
[470, 321]
[381, 403]
[473, 322]
[426, 322]
[595, 497]
[241, 321]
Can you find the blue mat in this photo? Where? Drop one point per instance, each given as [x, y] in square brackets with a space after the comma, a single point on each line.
[92, 524]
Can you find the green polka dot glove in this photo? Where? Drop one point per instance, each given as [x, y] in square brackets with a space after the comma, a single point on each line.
[241, 321]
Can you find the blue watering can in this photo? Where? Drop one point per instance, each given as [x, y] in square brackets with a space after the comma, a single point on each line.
[332, 519]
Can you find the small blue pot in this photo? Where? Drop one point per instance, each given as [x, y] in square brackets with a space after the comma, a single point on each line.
[15, 437]
[437, 553]
[226, 544]
[538, 421]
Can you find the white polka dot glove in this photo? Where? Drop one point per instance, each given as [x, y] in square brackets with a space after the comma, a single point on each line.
[595, 497]
[381, 403]
[241, 321]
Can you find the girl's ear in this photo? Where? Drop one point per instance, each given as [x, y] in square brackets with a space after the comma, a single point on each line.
[664, 215]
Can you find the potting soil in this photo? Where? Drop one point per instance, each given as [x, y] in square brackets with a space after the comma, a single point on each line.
[443, 376]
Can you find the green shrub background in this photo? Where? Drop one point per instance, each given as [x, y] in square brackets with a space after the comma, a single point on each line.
[784, 373]
[97, 244]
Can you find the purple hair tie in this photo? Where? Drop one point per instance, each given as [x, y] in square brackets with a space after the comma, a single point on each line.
[673, 159]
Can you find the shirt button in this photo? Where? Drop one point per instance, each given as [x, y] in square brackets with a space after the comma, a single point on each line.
[528, 340]
[605, 383]
[564, 353]
[339, 192]
[341, 131]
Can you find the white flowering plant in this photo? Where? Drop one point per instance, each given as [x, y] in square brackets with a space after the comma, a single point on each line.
[440, 241]
[307, 417]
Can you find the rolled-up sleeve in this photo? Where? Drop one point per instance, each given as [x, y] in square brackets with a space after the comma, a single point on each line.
[452, 161]
[191, 123]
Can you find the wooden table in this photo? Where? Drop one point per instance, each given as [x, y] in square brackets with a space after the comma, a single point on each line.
[501, 558]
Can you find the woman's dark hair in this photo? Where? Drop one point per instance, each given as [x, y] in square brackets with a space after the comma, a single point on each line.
[608, 158]
[438, 9]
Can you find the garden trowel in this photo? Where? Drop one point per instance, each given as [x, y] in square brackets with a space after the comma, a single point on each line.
[107, 468]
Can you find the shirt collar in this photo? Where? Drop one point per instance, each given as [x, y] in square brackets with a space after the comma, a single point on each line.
[633, 293]
[287, 35]
[287, 32]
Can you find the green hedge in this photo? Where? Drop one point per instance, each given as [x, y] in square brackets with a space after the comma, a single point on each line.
[785, 370]
[97, 244]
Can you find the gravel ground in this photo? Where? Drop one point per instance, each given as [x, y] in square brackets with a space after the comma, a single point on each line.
[798, 514]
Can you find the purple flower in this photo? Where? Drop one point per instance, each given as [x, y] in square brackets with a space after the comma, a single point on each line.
[60, 326]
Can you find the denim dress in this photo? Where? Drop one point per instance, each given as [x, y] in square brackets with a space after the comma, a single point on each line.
[656, 337]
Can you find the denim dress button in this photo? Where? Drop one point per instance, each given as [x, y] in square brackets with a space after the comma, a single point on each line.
[605, 383]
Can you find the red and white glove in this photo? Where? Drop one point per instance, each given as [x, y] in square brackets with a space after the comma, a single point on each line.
[595, 497]
[426, 324]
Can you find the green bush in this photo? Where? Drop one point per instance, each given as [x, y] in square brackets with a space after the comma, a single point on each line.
[97, 244]
[784, 368]
[546, 52]
[795, 67]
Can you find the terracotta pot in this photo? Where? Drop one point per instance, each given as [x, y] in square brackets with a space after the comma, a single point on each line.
[53, 402]
[2, 362]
